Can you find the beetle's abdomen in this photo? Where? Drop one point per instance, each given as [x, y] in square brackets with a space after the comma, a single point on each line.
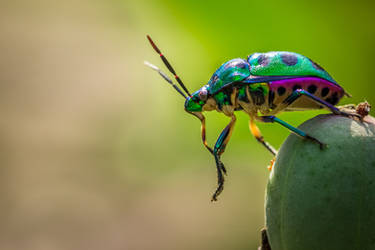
[321, 88]
[281, 63]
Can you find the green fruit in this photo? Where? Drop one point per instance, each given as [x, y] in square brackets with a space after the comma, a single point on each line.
[324, 199]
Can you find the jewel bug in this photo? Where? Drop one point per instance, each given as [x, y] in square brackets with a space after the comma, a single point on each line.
[262, 85]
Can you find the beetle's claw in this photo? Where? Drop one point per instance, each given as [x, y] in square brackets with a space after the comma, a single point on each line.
[321, 144]
[219, 189]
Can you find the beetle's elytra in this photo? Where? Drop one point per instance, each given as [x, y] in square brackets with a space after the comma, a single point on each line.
[262, 85]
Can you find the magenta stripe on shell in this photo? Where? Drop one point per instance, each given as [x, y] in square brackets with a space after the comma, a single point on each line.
[305, 82]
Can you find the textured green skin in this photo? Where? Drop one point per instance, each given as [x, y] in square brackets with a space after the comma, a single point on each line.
[324, 199]
[276, 67]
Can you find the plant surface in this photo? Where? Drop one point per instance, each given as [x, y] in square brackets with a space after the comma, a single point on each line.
[324, 199]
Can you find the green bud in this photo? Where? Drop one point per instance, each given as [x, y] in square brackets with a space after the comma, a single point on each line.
[324, 199]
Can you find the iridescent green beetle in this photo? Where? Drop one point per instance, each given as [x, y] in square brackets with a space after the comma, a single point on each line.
[262, 86]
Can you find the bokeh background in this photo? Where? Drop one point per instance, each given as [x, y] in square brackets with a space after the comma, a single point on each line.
[96, 149]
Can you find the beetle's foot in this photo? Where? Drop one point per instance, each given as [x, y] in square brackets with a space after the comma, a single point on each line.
[218, 191]
[219, 188]
[321, 144]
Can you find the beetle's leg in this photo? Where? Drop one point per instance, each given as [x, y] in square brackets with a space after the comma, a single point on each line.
[291, 128]
[203, 132]
[219, 149]
[300, 92]
[201, 117]
[256, 132]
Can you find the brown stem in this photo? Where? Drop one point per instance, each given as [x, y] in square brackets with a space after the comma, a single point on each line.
[265, 245]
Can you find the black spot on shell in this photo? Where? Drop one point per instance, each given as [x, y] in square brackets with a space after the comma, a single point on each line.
[214, 78]
[315, 65]
[281, 91]
[295, 87]
[312, 88]
[325, 91]
[236, 63]
[334, 99]
[263, 60]
[329, 100]
[289, 59]
[242, 65]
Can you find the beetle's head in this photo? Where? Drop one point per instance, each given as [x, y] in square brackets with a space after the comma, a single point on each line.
[200, 101]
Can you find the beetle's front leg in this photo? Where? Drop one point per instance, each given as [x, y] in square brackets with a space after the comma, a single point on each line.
[201, 117]
[219, 149]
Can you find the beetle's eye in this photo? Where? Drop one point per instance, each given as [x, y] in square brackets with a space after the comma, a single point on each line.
[203, 95]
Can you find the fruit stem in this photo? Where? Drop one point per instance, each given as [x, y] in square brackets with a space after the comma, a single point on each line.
[265, 244]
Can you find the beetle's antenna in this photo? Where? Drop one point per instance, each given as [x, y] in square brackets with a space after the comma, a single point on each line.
[165, 78]
[168, 65]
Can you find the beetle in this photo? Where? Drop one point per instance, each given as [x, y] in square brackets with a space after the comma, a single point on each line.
[262, 85]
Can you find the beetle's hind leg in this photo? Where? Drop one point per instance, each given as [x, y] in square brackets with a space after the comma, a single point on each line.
[291, 128]
[218, 150]
[256, 132]
[301, 92]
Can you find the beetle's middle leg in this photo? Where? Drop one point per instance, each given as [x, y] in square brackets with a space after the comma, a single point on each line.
[295, 130]
[219, 149]
[256, 133]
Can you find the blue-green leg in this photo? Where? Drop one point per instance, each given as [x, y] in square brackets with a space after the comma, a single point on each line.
[218, 150]
[300, 92]
[291, 128]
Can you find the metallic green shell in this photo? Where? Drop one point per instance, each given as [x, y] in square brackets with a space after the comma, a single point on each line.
[234, 70]
[282, 63]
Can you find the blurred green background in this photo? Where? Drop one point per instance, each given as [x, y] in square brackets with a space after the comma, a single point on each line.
[97, 151]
